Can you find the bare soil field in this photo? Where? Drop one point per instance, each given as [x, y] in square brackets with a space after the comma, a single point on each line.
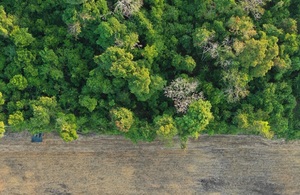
[217, 165]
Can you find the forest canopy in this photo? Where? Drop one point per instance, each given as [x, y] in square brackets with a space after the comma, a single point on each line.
[150, 68]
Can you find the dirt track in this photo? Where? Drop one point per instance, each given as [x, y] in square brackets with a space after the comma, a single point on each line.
[228, 165]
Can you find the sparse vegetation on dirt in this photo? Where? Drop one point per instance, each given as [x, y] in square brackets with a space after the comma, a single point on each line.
[214, 165]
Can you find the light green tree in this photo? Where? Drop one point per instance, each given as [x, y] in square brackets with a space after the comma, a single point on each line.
[16, 119]
[2, 129]
[263, 128]
[6, 22]
[21, 37]
[19, 82]
[122, 118]
[165, 127]
[66, 126]
[195, 120]
[2, 100]
[139, 84]
[116, 62]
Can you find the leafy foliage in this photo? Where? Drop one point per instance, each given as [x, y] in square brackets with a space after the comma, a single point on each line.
[66, 124]
[196, 119]
[2, 129]
[142, 68]
[122, 118]
[165, 127]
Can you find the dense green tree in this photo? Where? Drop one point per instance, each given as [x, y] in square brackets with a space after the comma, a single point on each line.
[110, 32]
[196, 119]
[150, 68]
[88, 102]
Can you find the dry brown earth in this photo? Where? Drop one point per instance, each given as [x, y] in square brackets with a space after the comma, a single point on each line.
[229, 165]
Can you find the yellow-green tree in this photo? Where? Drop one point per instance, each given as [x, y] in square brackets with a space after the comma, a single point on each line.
[122, 118]
[165, 127]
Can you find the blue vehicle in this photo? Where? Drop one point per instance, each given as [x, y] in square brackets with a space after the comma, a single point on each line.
[37, 137]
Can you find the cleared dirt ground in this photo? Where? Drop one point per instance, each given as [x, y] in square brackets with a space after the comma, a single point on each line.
[216, 165]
